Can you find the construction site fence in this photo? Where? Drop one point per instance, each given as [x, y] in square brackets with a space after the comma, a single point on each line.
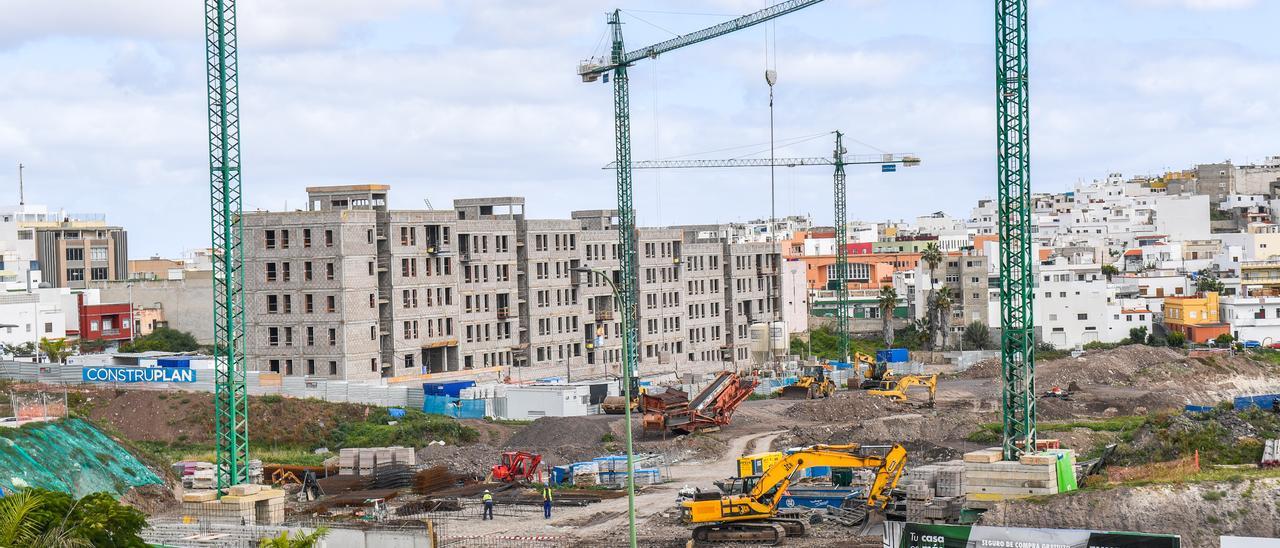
[294, 387]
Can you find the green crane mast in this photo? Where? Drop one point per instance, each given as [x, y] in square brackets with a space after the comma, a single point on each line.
[1013, 167]
[230, 401]
[842, 252]
[617, 63]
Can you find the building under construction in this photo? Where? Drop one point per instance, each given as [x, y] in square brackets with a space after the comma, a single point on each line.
[349, 289]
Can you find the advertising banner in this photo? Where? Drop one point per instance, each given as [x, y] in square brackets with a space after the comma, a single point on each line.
[919, 535]
[138, 374]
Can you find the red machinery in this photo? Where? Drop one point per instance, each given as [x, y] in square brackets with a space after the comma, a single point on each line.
[711, 408]
[518, 466]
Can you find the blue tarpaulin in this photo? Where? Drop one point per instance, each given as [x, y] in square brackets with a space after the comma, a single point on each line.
[1264, 401]
[453, 407]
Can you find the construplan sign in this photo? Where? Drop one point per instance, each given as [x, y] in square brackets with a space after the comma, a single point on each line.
[138, 374]
[917, 535]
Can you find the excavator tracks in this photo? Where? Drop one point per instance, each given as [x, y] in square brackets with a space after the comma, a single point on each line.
[765, 533]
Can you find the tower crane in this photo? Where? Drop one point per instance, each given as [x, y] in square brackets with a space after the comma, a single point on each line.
[616, 65]
[839, 159]
[230, 401]
[1013, 189]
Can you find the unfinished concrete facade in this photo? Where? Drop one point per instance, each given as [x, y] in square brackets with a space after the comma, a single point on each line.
[348, 289]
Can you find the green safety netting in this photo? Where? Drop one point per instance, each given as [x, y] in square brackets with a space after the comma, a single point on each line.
[69, 456]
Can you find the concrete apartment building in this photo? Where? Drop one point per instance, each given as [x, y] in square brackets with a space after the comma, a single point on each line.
[70, 250]
[967, 274]
[349, 289]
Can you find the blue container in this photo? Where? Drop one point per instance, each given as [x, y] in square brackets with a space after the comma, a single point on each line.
[818, 497]
[174, 362]
[893, 355]
[841, 365]
[452, 389]
[560, 475]
[1198, 408]
[817, 472]
[1264, 401]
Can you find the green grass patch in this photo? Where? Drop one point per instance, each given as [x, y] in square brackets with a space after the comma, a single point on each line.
[991, 431]
[415, 429]
[509, 422]
[1268, 355]
[174, 452]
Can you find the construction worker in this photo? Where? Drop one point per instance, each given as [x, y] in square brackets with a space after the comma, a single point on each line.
[488, 505]
[546, 502]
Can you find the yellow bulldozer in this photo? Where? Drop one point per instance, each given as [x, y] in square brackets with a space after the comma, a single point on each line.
[753, 516]
[812, 384]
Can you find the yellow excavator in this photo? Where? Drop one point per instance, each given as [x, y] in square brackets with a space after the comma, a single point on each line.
[812, 384]
[897, 389]
[752, 517]
[874, 373]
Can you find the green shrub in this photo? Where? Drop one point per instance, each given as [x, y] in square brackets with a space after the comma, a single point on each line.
[414, 429]
[1176, 340]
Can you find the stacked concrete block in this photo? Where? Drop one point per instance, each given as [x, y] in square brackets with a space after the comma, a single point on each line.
[951, 480]
[347, 459]
[363, 461]
[256, 505]
[988, 479]
[919, 487]
[199, 495]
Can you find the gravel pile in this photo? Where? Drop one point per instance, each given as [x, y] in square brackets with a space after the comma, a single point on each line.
[553, 432]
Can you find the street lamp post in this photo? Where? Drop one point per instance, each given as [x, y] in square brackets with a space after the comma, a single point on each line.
[626, 393]
[133, 320]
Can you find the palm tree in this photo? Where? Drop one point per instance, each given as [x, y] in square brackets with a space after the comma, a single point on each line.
[20, 525]
[942, 303]
[300, 541]
[56, 349]
[932, 256]
[888, 303]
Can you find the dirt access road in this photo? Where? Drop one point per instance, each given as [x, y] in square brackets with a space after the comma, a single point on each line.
[608, 518]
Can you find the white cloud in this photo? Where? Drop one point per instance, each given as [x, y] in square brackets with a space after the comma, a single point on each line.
[488, 104]
[1205, 5]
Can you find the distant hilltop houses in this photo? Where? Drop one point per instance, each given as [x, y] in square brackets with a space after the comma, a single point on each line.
[349, 289]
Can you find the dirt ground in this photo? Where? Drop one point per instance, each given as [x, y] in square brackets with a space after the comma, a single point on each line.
[1199, 513]
[1122, 381]
[187, 417]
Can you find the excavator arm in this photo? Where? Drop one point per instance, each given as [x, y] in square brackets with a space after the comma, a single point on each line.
[762, 502]
[898, 389]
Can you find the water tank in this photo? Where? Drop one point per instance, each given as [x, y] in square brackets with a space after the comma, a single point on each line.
[758, 334]
[778, 342]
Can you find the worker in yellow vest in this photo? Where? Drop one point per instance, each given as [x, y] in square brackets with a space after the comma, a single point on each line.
[488, 505]
[546, 502]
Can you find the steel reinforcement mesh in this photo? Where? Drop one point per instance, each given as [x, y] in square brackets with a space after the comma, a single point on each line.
[69, 456]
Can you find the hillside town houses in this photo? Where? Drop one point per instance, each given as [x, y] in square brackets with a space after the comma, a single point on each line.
[351, 289]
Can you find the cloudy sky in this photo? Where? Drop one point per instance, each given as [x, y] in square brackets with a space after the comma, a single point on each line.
[104, 101]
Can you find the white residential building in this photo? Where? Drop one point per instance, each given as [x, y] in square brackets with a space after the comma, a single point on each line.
[1183, 217]
[1252, 318]
[1071, 304]
[46, 312]
[1075, 305]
